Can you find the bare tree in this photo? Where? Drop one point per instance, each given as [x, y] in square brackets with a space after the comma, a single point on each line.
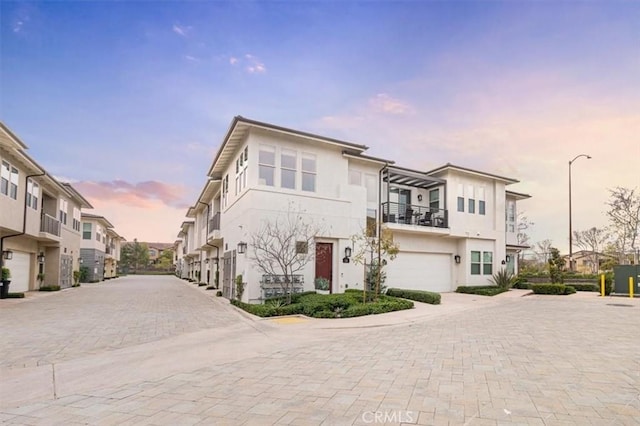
[624, 216]
[377, 250]
[543, 250]
[284, 246]
[522, 237]
[592, 241]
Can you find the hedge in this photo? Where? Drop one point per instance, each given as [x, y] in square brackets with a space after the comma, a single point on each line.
[326, 306]
[552, 289]
[487, 290]
[417, 295]
[522, 285]
[17, 295]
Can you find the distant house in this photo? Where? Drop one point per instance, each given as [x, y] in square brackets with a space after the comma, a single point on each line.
[100, 248]
[587, 262]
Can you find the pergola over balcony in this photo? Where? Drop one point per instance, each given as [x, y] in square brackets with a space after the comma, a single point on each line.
[413, 212]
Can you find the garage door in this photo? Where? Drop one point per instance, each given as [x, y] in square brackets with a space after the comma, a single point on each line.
[420, 271]
[19, 266]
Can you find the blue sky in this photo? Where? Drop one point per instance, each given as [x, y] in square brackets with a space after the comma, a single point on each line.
[130, 100]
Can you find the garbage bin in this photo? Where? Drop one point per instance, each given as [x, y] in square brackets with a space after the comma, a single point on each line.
[4, 290]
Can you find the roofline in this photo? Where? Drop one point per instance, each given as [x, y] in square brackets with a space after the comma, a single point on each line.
[15, 138]
[83, 201]
[468, 170]
[268, 126]
[359, 156]
[518, 195]
[96, 216]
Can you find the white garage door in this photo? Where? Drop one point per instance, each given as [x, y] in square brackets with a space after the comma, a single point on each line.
[19, 266]
[420, 271]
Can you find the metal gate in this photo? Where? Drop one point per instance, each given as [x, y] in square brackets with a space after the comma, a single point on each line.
[228, 274]
[66, 272]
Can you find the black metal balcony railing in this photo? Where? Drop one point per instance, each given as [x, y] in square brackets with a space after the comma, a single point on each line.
[412, 214]
[50, 225]
[214, 222]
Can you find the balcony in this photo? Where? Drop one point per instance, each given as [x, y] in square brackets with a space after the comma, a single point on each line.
[416, 216]
[49, 228]
[214, 236]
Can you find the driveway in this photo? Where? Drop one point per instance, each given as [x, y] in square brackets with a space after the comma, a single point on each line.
[471, 361]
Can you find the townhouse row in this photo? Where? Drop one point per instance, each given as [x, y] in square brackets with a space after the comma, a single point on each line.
[44, 233]
[453, 225]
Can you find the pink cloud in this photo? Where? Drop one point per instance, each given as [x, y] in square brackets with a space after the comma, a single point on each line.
[141, 194]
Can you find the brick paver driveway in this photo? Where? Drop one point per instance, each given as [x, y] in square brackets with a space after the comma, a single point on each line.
[529, 360]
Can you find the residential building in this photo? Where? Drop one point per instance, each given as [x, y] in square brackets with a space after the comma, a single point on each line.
[588, 261]
[113, 246]
[39, 220]
[452, 224]
[93, 249]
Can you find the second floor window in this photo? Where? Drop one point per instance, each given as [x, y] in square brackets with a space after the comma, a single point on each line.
[33, 193]
[288, 168]
[64, 206]
[76, 219]
[511, 216]
[308, 172]
[86, 231]
[266, 165]
[434, 199]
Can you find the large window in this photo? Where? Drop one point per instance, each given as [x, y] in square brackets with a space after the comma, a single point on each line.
[288, 168]
[33, 193]
[481, 263]
[86, 231]
[266, 165]
[64, 206]
[241, 170]
[471, 199]
[76, 219]
[511, 216]
[98, 233]
[371, 222]
[308, 172]
[460, 197]
[481, 202]
[13, 184]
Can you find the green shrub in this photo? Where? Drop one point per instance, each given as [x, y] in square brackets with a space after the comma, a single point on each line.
[502, 278]
[5, 275]
[569, 289]
[490, 290]
[550, 288]
[50, 288]
[417, 295]
[17, 295]
[585, 286]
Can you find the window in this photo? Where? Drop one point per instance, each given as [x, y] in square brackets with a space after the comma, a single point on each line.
[460, 197]
[481, 202]
[33, 192]
[13, 184]
[481, 262]
[225, 191]
[86, 231]
[98, 230]
[288, 166]
[302, 247]
[475, 263]
[511, 216]
[266, 165]
[76, 219]
[487, 263]
[241, 171]
[355, 177]
[472, 199]
[434, 199]
[64, 206]
[5, 175]
[472, 205]
[308, 172]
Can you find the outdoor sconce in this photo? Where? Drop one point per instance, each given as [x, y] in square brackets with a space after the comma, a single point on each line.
[206, 261]
[215, 260]
[419, 197]
[41, 258]
[97, 262]
[7, 255]
[80, 260]
[347, 252]
[457, 258]
[242, 247]
[503, 262]
[508, 258]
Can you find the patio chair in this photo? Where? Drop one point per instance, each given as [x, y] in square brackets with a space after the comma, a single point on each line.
[427, 219]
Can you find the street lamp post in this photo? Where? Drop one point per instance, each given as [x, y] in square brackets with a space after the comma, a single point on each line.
[570, 225]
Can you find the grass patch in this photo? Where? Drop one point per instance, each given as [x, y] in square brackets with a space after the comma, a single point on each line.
[487, 290]
[343, 305]
[417, 295]
[552, 289]
[17, 295]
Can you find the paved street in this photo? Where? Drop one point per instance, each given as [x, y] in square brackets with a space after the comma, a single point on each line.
[157, 350]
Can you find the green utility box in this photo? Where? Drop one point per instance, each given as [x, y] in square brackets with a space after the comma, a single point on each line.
[622, 274]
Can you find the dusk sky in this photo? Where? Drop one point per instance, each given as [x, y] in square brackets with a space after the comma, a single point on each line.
[129, 101]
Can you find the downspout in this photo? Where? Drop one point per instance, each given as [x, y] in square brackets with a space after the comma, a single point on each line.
[24, 222]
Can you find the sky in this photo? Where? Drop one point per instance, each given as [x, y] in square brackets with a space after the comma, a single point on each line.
[129, 101]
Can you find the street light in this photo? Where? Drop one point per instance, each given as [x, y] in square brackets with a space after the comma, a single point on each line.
[588, 157]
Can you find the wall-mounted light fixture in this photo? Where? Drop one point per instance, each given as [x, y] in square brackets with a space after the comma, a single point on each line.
[41, 257]
[419, 197]
[457, 258]
[215, 260]
[508, 258]
[347, 252]
[7, 255]
[80, 260]
[206, 261]
[97, 262]
[242, 247]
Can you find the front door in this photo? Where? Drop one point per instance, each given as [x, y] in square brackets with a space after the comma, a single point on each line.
[228, 274]
[324, 262]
